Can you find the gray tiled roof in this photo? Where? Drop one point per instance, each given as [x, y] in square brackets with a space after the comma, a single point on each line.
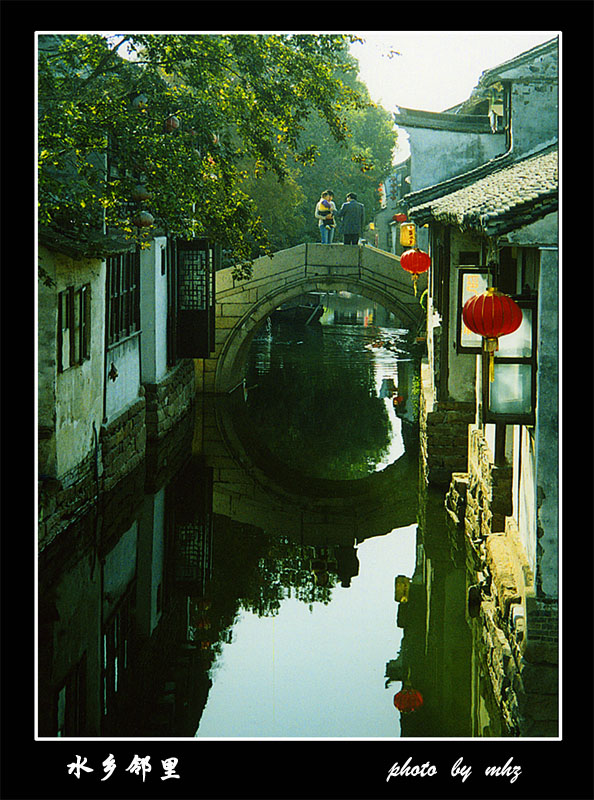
[508, 198]
[442, 121]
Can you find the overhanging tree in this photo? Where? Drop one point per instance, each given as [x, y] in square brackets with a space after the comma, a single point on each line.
[178, 116]
[358, 162]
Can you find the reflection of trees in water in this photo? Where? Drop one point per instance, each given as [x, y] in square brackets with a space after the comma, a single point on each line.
[323, 418]
[255, 572]
[285, 571]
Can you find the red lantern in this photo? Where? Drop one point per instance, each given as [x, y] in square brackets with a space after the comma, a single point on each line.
[143, 219]
[399, 217]
[416, 262]
[408, 699]
[491, 314]
[171, 123]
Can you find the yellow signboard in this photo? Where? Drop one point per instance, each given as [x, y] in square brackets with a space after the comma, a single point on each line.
[472, 282]
[408, 235]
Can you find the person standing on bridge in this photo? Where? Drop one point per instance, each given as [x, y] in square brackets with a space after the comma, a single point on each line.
[352, 214]
[324, 213]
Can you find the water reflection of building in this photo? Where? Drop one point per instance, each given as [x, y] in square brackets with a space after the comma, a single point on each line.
[120, 650]
[345, 308]
[435, 652]
[340, 562]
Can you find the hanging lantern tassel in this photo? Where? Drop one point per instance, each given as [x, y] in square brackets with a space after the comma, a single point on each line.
[416, 262]
[491, 346]
[491, 314]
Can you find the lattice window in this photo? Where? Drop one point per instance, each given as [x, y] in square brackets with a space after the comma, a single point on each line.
[193, 276]
[193, 553]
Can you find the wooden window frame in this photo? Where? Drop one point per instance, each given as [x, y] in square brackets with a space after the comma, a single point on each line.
[74, 326]
[481, 272]
[123, 296]
[528, 418]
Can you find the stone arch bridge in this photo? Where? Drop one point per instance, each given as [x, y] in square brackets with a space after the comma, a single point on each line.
[253, 487]
[243, 305]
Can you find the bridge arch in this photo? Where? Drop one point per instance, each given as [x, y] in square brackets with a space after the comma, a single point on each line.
[242, 306]
[253, 486]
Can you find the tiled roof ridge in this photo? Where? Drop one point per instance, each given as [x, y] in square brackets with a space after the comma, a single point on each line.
[442, 120]
[451, 185]
[92, 244]
[447, 113]
[489, 205]
[527, 55]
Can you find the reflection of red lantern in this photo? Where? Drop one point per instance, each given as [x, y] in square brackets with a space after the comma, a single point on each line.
[408, 699]
[399, 217]
[491, 314]
[416, 262]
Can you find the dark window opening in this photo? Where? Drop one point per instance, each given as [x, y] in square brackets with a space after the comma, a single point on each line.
[71, 702]
[74, 326]
[123, 296]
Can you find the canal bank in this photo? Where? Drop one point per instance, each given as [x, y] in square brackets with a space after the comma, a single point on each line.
[514, 628]
[223, 557]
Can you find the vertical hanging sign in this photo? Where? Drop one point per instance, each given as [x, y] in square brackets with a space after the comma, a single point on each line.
[408, 234]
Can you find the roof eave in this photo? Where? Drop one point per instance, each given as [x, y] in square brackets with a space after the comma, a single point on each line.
[494, 223]
[90, 245]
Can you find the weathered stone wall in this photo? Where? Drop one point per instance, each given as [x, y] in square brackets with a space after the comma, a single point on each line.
[61, 503]
[443, 434]
[169, 400]
[121, 447]
[123, 443]
[523, 677]
[489, 499]
[514, 630]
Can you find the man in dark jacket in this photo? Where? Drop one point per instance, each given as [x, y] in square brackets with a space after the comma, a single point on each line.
[352, 215]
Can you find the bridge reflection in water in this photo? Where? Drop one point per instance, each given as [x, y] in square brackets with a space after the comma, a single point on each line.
[233, 594]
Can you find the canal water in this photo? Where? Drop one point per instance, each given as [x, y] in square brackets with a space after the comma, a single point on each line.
[275, 571]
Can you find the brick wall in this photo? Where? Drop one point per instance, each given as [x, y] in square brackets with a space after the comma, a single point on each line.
[443, 436]
[166, 402]
[123, 443]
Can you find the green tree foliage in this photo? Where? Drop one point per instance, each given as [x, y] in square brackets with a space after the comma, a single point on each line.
[237, 100]
[356, 163]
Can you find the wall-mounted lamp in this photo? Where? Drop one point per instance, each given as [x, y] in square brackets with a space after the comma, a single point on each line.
[510, 396]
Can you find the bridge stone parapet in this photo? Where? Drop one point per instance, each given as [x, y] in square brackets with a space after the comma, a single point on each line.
[243, 305]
